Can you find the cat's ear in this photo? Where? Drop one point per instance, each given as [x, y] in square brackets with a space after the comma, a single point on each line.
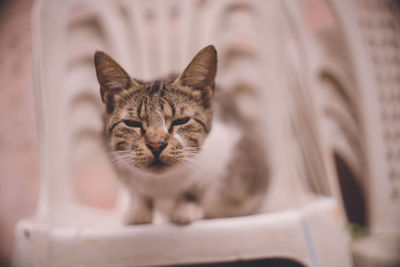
[113, 79]
[201, 71]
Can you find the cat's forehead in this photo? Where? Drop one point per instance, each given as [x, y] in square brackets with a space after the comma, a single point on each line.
[158, 96]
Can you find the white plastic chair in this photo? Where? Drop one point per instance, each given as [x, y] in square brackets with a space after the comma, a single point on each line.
[259, 47]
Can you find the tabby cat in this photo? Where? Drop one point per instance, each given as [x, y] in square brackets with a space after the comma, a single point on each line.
[182, 141]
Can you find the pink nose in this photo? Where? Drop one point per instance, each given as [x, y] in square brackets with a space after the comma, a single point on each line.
[156, 147]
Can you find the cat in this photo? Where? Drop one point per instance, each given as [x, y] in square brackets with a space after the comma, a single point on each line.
[183, 140]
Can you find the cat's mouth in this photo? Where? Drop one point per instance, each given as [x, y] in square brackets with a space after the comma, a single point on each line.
[157, 165]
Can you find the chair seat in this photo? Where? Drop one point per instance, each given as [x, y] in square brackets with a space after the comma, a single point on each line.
[309, 236]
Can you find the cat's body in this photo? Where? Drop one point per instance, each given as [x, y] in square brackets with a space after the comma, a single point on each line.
[179, 140]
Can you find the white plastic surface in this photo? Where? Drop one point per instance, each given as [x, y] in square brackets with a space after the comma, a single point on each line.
[314, 236]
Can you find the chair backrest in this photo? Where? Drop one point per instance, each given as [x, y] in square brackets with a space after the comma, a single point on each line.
[371, 33]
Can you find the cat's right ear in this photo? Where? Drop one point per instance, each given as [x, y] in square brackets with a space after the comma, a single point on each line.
[200, 73]
[113, 79]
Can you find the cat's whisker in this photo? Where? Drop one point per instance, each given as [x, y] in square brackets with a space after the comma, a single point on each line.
[186, 163]
[120, 155]
[114, 158]
[193, 152]
[118, 158]
[189, 162]
[191, 148]
[190, 153]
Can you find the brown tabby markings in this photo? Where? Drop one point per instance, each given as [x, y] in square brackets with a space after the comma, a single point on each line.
[163, 122]
[149, 98]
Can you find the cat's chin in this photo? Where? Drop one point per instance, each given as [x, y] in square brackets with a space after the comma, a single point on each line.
[157, 166]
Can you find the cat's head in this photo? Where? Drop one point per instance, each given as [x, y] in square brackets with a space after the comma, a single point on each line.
[157, 125]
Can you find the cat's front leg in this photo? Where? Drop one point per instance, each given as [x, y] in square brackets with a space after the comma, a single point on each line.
[187, 209]
[140, 210]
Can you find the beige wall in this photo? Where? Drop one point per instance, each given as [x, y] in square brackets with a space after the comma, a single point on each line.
[18, 144]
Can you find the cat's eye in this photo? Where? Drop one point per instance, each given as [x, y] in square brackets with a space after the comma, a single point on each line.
[134, 124]
[180, 121]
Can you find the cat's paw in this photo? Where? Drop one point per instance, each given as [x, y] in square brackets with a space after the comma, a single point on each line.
[186, 213]
[138, 217]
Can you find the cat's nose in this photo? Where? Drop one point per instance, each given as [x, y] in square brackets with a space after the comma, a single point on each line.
[156, 147]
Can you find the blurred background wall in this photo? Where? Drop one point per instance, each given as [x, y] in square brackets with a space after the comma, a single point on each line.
[18, 143]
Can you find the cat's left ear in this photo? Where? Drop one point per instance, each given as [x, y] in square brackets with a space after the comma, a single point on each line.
[113, 79]
[200, 73]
